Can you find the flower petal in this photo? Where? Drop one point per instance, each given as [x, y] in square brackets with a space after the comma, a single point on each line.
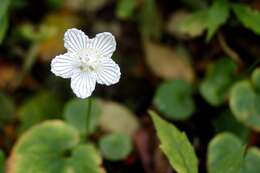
[83, 84]
[75, 40]
[64, 65]
[105, 43]
[108, 73]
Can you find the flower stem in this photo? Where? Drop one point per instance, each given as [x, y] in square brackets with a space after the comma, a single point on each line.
[89, 115]
[229, 51]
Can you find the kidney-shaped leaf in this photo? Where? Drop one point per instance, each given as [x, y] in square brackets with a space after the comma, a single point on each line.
[116, 146]
[252, 161]
[53, 147]
[174, 99]
[256, 78]
[42, 106]
[245, 104]
[220, 76]
[175, 146]
[225, 154]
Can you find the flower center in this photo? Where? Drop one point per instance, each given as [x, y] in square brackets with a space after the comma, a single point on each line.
[89, 59]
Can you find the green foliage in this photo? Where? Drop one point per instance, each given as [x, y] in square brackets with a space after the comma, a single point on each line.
[7, 108]
[225, 154]
[209, 19]
[53, 147]
[19, 4]
[40, 107]
[4, 19]
[55, 3]
[174, 99]
[193, 25]
[252, 161]
[175, 146]
[4, 22]
[76, 112]
[219, 78]
[116, 146]
[212, 18]
[125, 8]
[248, 17]
[245, 101]
[150, 21]
[256, 78]
[194, 4]
[150, 34]
[217, 15]
[2, 162]
[28, 32]
[226, 122]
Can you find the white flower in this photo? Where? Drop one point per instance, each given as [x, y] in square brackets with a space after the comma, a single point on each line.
[87, 61]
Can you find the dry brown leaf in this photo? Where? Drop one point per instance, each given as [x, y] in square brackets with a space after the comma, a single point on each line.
[168, 63]
[54, 45]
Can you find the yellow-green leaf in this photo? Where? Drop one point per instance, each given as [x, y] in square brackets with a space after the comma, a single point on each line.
[217, 15]
[53, 147]
[225, 154]
[176, 146]
[248, 17]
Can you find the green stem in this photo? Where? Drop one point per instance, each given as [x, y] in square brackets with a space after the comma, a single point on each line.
[229, 51]
[89, 115]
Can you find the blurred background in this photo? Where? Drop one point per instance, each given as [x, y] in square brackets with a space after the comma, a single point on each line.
[192, 61]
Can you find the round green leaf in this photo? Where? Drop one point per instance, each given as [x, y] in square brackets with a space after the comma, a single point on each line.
[53, 147]
[245, 104]
[118, 119]
[220, 75]
[252, 161]
[225, 154]
[174, 99]
[116, 146]
[76, 112]
[256, 78]
[7, 108]
[40, 107]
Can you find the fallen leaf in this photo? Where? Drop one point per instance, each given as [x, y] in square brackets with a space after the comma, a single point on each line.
[168, 63]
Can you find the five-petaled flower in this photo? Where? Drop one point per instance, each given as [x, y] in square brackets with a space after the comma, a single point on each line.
[87, 61]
